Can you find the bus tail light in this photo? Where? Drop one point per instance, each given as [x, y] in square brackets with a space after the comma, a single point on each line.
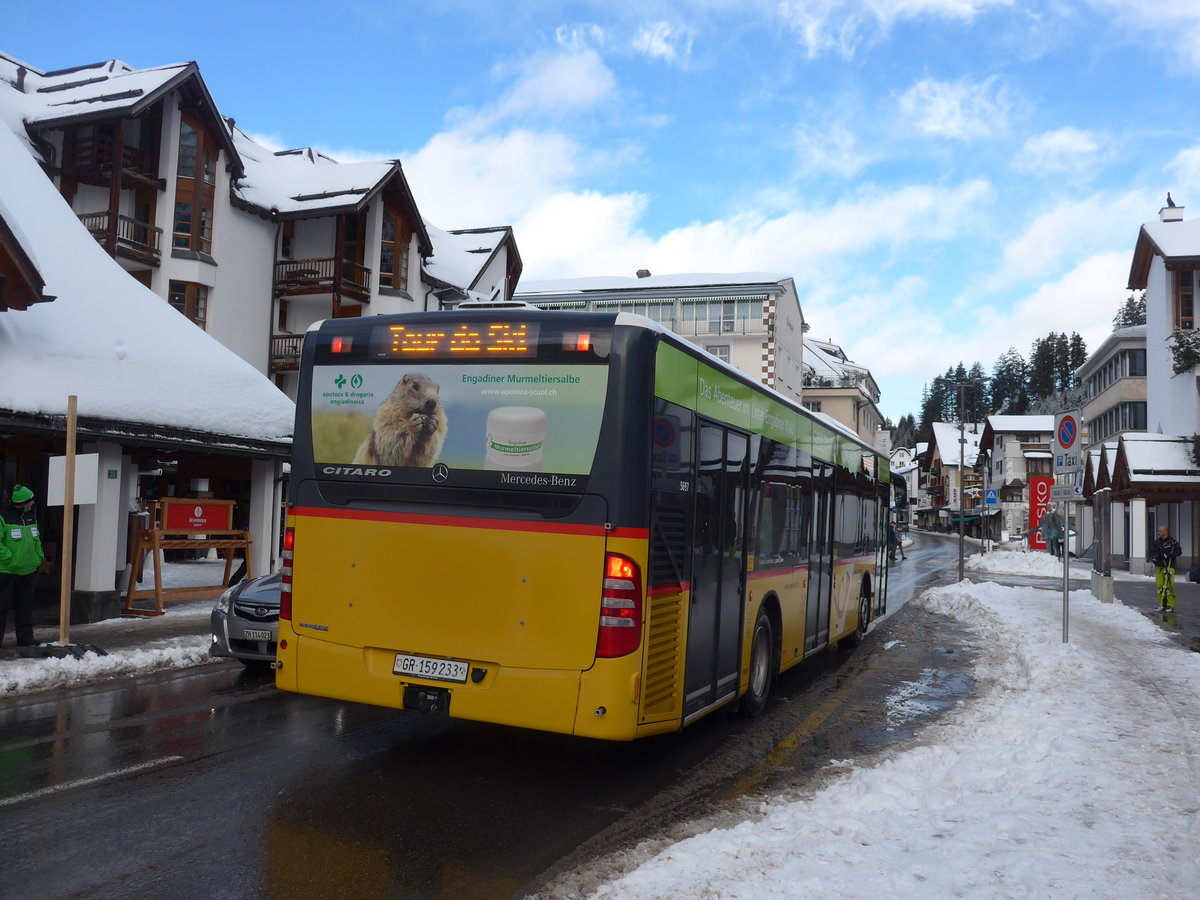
[620, 607]
[285, 581]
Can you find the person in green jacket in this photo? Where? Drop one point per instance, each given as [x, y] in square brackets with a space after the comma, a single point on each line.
[20, 555]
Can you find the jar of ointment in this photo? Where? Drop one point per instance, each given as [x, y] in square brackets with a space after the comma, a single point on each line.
[515, 437]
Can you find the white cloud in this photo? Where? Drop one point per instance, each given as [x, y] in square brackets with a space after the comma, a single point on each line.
[577, 38]
[845, 27]
[1185, 166]
[571, 234]
[960, 110]
[463, 179]
[1173, 24]
[1063, 151]
[662, 40]
[1055, 236]
[832, 152]
[557, 84]
[905, 343]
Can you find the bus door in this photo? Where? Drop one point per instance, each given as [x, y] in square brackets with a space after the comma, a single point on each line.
[718, 568]
[883, 516]
[820, 579]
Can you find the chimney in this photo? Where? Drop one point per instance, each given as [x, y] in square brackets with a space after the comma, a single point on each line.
[21, 73]
[643, 273]
[1170, 212]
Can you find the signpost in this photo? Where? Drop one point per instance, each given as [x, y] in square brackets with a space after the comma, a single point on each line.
[1067, 448]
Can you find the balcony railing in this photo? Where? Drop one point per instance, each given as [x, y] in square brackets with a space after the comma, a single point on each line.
[285, 352]
[136, 240]
[320, 275]
[95, 153]
[729, 325]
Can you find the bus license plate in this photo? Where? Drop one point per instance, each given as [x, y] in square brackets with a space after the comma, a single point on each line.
[251, 635]
[432, 669]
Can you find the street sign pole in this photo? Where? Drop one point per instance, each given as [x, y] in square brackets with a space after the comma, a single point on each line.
[1068, 460]
[1066, 552]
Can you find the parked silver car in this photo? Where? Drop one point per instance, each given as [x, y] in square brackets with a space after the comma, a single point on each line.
[245, 621]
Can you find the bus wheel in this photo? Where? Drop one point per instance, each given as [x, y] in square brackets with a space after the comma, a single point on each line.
[864, 619]
[761, 674]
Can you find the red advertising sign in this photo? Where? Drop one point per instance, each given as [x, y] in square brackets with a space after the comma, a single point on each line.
[197, 515]
[1039, 502]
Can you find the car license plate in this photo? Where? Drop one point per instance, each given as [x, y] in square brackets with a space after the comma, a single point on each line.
[428, 667]
[253, 635]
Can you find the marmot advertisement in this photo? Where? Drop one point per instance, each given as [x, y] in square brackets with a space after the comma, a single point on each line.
[502, 418]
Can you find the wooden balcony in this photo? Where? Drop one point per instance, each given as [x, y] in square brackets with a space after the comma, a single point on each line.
[139, 241]
[90, 160]
[285, 352]
[322, 275]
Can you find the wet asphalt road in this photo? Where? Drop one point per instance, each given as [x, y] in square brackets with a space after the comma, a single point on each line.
[211, 783]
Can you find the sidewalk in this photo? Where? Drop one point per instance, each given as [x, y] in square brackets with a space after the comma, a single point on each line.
[1135, 591]
[131, 644]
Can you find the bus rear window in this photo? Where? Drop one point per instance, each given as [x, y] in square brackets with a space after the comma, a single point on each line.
[527, 426]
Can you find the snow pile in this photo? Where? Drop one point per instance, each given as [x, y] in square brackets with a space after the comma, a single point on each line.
[1070, 774]
[1015, 562]
[143, 651]
[29, 675]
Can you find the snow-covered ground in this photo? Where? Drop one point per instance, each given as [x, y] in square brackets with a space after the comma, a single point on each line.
[150, 650]
[1072, 772]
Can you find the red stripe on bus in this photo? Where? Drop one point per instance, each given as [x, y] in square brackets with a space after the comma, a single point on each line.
[468, 522]
[776, 573]
[666, 589]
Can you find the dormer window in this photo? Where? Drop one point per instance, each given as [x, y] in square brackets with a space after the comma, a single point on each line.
[1185, 300]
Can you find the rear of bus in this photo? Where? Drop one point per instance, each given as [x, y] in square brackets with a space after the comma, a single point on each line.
[468, 525]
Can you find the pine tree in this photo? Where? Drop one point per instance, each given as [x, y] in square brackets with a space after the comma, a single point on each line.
[975, 394]
[905, 434]
[1132, 312]
[1076, 356]
[1041, 370]
[1008, 392]
[1063, 373]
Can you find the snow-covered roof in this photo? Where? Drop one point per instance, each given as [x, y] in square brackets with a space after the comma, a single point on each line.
[304, 181]
[1159, 458]
[1175, 240]
[651, 282]
[102, 90]
[945, 436]
[1021, 424]
[825, 359]
[459, 256]
[121, 349]
[108, 87]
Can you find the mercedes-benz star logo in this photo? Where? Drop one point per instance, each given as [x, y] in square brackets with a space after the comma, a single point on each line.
[440, 473]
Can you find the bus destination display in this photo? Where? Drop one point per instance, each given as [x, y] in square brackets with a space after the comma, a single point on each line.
[464, 340]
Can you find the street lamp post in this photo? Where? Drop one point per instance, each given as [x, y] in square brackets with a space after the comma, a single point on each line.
[962, 444]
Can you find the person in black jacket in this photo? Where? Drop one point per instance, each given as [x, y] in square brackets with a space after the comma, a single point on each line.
[1163, 553]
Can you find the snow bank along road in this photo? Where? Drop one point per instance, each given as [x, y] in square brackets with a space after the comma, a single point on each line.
[1071, 772]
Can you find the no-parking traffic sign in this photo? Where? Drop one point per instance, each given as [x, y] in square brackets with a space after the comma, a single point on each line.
[1068, 444]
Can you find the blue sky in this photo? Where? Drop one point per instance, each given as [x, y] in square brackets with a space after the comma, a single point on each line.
[944, 179]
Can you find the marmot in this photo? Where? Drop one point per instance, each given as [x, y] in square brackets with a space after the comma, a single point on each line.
[409, 427]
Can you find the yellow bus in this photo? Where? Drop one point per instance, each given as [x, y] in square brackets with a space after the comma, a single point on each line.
[576, 522]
